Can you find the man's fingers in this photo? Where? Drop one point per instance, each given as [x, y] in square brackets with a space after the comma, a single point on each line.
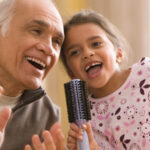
[27, 147]
[53, 140]
[37, 143]
[4, 116]
[58, 136]
[48, 141]
[1, 90]
[60, 140]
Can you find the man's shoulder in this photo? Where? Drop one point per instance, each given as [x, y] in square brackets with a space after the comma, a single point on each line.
[48, 102]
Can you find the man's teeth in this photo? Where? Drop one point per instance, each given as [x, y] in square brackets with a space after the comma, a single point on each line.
[94, 64]
[36, 61]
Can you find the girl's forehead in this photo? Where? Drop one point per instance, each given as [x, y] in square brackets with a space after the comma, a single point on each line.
[87, 30]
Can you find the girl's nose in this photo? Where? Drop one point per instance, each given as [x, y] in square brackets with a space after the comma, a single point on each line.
[88, 54]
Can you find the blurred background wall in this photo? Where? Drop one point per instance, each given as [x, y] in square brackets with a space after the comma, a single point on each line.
[132, 17]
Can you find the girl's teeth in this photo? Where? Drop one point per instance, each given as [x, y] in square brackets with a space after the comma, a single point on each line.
[92, 65]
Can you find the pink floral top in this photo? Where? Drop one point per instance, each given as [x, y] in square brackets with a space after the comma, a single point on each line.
[121, 120]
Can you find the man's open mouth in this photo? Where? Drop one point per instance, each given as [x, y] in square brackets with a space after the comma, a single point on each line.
[36, 62]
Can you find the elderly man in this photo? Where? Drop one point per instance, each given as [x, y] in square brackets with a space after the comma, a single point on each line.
[31, 35]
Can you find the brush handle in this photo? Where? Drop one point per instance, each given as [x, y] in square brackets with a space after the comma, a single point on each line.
[84, 144]
[78, 107]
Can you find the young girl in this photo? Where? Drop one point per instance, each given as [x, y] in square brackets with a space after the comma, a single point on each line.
[93, 51]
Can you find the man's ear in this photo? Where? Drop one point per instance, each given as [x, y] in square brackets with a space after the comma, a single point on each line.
[119, 56]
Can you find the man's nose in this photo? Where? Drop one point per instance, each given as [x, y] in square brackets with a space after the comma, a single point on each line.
[46, 47]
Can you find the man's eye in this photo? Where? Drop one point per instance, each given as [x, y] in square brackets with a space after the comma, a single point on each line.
[36, 31]
[57, 41]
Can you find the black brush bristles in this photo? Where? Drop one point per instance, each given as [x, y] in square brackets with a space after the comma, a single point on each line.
[77, 101]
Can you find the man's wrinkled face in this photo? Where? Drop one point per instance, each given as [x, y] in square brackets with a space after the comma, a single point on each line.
[31, 46]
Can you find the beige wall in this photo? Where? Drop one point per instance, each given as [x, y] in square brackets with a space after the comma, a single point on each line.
[132, 17]
[54, 85]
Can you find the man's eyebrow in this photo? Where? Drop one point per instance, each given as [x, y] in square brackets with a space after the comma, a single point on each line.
[45, 24]
[40, 22]
[60, 35]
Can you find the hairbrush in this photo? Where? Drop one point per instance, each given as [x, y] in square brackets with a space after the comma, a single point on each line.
[78, 107]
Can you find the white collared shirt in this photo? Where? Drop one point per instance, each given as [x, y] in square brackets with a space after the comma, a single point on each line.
[8, 101]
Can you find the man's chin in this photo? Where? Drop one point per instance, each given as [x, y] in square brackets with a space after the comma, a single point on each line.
[33, 85]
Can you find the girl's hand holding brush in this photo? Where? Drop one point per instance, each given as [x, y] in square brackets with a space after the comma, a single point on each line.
[75, 134]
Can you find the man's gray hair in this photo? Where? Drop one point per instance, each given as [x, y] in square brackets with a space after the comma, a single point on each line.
[6, 14]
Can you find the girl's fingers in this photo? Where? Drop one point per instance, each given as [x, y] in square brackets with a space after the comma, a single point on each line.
[89, 131]
[92, 141]
[72, 143]
[75, 128]
[72, 140]
[72, 146]
[75, 135]
[75, 132]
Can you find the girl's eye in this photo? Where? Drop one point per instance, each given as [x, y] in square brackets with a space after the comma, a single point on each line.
[75, 52]
[96, 44]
